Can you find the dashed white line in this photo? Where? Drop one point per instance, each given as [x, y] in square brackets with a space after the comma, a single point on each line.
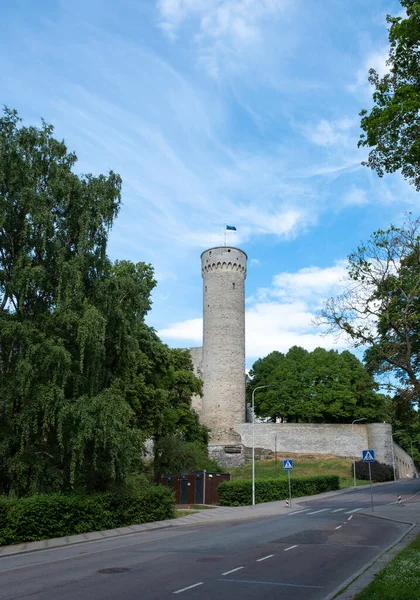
[296, 512]
[318, 511]
[350, 518]
[338, 510]
[190, 587]
[339, 527]
[290, 548]
[232, 571]
[265, 557]
[353, 511]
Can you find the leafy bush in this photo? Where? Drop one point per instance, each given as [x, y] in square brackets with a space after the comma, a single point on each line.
[380, 471]
[239, 493]
[56, 515]
[175, 455]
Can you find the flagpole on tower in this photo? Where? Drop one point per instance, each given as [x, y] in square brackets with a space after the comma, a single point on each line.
[225, 233]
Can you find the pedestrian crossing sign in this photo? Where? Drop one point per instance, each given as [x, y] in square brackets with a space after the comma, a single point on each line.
[368, 455]
[288, 465]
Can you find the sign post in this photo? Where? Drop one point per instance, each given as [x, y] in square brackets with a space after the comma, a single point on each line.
[369, 457]
[288, 466]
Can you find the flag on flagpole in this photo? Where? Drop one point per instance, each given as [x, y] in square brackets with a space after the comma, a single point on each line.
[230, 228]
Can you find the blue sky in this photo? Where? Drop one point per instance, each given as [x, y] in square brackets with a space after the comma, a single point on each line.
[217, 111]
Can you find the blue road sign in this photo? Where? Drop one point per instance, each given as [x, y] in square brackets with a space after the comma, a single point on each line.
[288, 465]
[368, 455]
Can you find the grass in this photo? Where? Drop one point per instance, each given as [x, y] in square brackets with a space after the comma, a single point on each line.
[399, 580]
[183, 513]
[303, 465]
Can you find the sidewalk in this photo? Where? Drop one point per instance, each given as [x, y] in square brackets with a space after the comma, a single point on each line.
[215, 515]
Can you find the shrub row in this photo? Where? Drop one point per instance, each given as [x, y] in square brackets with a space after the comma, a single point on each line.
[56, 515]
[239, 493]
[380, 471]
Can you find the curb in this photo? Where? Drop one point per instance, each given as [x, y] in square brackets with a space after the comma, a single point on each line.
[353, 585]
[58, 544]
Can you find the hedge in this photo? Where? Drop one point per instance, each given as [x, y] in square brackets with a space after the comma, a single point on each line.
[379, 471]
[56, 515]
[239, 493]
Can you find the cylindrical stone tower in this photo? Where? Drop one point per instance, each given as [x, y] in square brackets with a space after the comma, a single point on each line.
[224, 271]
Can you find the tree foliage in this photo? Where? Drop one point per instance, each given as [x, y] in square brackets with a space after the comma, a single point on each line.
[314, 387]
[392, 128]
[380, 309]
[83, 380]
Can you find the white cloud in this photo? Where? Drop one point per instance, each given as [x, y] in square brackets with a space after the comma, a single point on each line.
[331, 133]
[374, 60]
[190, 330]
[223, 28]
[310, 283]
[355, 197]
[280, 316]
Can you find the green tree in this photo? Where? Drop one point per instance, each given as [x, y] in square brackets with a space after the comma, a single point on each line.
[380, 309]
[392, 128]
[83, 380]
[314, 387]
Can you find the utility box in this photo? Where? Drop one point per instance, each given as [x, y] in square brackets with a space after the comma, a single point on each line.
[195, 488]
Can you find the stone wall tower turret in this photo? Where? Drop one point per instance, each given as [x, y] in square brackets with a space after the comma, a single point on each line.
[223, 367]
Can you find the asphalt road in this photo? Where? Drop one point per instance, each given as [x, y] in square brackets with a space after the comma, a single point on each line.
[304, 554]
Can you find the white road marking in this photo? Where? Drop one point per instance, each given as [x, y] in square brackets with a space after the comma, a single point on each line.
[353, 511]
[232, 571]
[350, 518]
[338, 510]
[265, 557]
[299, 511]
[290, 548]
[188, 588]
[339, 527]
[318, 511]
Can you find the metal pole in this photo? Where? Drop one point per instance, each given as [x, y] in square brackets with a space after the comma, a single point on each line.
[290, 491]
[275, 448]
[259, 387]
[253, 449]
[370, 482]
[354, 457]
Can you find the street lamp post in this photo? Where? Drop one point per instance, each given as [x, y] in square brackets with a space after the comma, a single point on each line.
[259, 387]
[354, 457]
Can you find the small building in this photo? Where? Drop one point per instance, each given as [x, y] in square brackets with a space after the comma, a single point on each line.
[199, 487]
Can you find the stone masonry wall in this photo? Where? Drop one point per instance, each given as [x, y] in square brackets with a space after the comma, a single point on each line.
[307, 438]
[223, 407]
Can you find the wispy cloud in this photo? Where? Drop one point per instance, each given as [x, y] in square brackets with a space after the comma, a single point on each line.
[223, 30]
[281, 315]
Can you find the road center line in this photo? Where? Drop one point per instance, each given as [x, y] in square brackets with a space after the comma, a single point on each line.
[339, 527]
[232, 571]
[188, 588]
[353, 511]
[265, 557]
[318, 511]
[338, 510]
[290, 548]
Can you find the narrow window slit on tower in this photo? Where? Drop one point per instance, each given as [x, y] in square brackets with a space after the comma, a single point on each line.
[233, 285]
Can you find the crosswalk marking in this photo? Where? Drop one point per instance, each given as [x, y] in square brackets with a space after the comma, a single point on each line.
[353, 511]
[338, 509]
[318, 511]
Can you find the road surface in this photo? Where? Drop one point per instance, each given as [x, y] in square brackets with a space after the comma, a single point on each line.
[302, 555]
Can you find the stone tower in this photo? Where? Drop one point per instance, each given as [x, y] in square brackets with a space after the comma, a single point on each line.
[223, 360]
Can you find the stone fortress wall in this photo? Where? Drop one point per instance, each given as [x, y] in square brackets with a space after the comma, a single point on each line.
[220, 363]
